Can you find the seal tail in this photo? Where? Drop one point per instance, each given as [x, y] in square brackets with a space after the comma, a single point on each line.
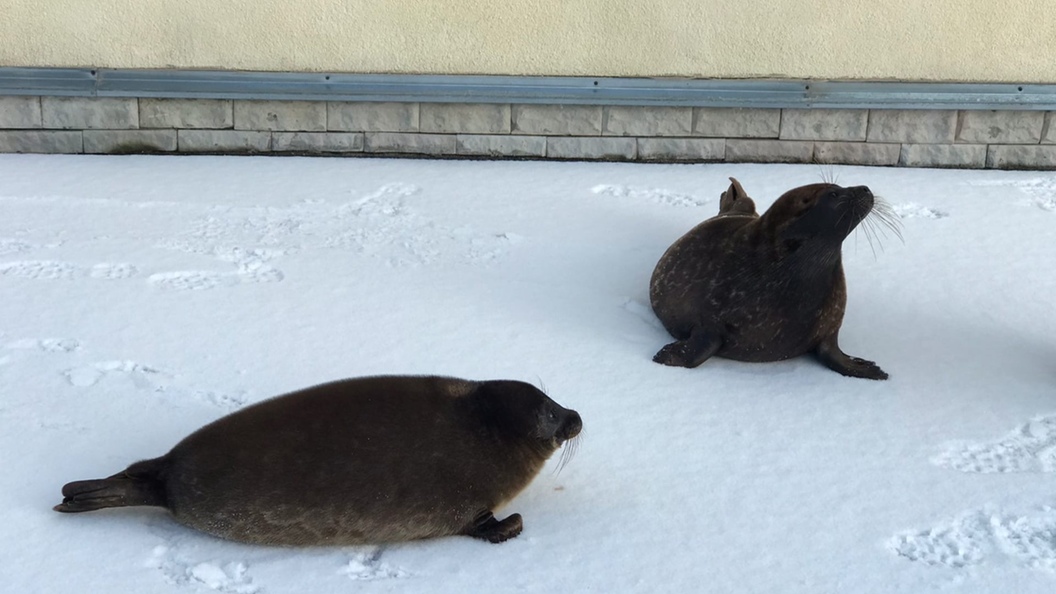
[139, 484]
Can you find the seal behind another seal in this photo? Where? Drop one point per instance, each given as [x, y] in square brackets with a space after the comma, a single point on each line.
[762, 288]
[366, 460]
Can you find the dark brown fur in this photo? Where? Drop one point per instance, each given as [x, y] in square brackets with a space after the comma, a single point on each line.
[365, 460]
[762, 288]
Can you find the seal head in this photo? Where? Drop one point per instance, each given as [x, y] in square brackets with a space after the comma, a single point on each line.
[762, 288]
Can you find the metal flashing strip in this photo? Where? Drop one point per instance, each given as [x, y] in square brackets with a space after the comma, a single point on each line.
[759, 93]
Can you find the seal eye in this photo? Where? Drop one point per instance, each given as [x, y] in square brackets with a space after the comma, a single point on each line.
[551, 415]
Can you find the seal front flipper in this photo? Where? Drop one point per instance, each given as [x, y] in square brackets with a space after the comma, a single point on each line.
[831, 356]
[691, 352]
[139, 484]
[486, 527]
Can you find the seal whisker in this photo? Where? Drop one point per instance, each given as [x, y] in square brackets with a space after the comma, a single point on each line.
[567, 453]
[828, 174]
[887, 216]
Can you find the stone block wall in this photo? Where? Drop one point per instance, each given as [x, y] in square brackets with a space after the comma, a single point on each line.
[914, 138]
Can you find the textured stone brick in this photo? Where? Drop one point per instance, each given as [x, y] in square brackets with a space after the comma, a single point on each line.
[223, 141]
[465, 118]
[502, 145]
[857, 153]
[1049, 134]
[682, 149]
[213, 114]
[1021, 156]
[290, 116]
[317, 142]
[943, 155]
[372, 117]
[732, 122]
[567, 147]
[620, 120]
[1000, 126]
[769, 151]
[409, 143]
[918, 126]
[824, 124]
[557, 120]
[20, 112]
[80, 113]
[40, 141]
[129, 141]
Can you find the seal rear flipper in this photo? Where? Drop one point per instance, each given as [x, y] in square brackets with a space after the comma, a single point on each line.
[691, 352]
[139, 484]
[736, 201]
[486, 527]
[830, 355]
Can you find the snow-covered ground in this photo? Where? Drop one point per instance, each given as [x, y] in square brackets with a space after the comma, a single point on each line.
[145, 296]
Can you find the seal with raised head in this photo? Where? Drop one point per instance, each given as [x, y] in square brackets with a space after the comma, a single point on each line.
[762, 288]
[364, 460]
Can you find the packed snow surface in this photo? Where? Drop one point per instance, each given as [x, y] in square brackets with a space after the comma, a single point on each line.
[143, 297]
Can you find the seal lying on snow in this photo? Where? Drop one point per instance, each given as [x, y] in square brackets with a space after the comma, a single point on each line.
[763, 288]
[364, 460]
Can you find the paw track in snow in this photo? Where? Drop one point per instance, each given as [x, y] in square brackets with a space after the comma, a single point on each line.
[656, 195]
[40, 270]
[982, 536]
[912, 210]
[1031, 447]
[112, 271]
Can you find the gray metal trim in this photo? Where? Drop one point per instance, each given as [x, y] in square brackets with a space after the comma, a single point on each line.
[203, 84]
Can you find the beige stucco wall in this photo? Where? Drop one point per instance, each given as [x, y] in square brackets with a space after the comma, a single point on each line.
[957, 40]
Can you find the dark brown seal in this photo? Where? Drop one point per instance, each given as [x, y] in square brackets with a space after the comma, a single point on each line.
[366, 460]
[762, 288]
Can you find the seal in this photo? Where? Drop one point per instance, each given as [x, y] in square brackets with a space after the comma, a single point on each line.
[763, 288]
[363, 460]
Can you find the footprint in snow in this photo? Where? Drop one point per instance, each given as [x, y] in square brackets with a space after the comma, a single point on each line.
[46, 345]
[1031, 447]
[41, 270]
[14, 246]
[983, 536]
[222, 400]
[656, 195]
[912, 210]
[1040, 190]
[142, 376]
[369, 567]
[54, 270]
[112, 271]
[229, 577]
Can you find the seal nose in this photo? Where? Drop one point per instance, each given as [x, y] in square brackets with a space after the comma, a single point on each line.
[861, 192]
[572, 426]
